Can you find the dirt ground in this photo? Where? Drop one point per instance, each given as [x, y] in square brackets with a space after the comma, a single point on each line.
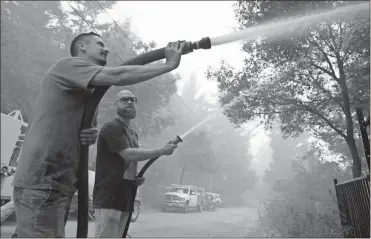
[224, 222]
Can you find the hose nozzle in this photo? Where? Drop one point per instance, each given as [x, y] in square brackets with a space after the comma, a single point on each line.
[177, 140]
[204, 43]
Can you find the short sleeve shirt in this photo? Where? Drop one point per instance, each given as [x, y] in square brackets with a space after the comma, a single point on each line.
[50, 153]
[109, 191]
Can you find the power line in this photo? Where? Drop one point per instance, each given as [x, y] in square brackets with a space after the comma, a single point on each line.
[81, 17]
[110, 17]
[92, 27]
[176, 116]
[194, 114]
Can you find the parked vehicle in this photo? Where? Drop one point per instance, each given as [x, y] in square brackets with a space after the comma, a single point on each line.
[219, 201]
[135, 214]
[184, 197]
[210, 203]
[11, 141]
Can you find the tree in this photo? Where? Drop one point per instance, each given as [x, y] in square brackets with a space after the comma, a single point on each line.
[24, 36]
[285, 152]
[304, 203]
[311, 82]
[196, 156]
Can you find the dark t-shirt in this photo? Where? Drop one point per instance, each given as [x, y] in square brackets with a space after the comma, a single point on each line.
[109, 191]
[50, 154]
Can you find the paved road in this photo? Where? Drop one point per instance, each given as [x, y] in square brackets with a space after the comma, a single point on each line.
[224, 222]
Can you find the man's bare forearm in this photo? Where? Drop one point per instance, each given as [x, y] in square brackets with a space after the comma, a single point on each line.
[137, 154]
[129, 75]
[139, 74]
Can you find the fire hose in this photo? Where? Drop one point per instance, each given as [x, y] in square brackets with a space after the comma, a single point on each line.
[87, 120]
[140, 174]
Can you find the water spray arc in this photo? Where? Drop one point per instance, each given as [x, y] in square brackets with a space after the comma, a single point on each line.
[89, 112]
[280, 28]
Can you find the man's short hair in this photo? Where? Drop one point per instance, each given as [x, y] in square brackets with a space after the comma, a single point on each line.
[80, 37]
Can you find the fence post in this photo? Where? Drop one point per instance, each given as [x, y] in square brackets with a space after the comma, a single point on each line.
[344, 211]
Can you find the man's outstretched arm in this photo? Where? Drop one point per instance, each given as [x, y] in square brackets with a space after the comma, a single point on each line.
[138, 154]
[129, 75]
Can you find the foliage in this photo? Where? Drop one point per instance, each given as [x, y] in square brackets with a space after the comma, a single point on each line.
[297, 193]
[311, 82]
[21, 41]
[285, 150]
[303, 203]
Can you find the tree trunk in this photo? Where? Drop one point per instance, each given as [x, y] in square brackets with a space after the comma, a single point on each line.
[357, 167]
[182, 174]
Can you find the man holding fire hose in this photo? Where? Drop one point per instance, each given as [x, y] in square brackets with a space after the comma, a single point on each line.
[47, 172]
[118, 154]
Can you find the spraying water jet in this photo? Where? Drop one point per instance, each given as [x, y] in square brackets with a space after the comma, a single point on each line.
[195, 127]
[280, 28]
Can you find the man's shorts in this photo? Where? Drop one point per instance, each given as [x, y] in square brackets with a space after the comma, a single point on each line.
[110, 223]
[112, 210]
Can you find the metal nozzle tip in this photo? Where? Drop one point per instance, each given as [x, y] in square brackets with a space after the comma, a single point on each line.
[179, 139]
[205, 43]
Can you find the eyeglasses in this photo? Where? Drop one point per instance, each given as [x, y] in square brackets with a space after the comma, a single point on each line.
[126, 100]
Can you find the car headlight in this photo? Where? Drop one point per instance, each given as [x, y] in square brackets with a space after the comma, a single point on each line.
[182, 200]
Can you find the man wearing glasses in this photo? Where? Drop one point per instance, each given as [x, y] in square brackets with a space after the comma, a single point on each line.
[117, 159]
